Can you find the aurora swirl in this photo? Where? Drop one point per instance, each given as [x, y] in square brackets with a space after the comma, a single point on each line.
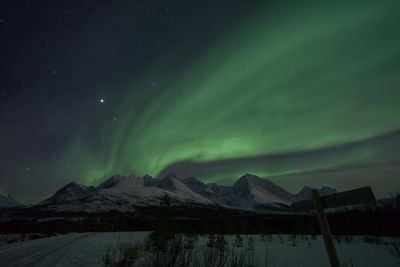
[288, 88]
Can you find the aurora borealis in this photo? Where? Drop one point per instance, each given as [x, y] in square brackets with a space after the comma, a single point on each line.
[275, 88]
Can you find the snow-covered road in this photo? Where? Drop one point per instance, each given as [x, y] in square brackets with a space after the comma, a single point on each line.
[78, 249]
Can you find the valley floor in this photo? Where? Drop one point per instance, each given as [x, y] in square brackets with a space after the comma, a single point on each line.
[88, 249]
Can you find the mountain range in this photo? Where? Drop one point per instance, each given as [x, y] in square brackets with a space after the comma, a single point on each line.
[125, 193]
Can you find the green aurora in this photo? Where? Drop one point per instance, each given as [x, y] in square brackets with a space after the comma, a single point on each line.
[292, 78]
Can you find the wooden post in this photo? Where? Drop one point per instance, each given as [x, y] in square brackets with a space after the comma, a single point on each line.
[325, 230]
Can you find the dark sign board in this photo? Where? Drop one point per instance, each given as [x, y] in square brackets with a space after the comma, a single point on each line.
[357, 196]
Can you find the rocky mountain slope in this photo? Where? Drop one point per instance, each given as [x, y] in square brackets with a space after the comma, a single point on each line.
[125, 193]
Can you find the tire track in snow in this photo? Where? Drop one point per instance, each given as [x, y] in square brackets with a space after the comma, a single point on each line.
[37, 254]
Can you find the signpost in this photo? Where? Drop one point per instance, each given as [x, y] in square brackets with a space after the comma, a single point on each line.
[358, 196]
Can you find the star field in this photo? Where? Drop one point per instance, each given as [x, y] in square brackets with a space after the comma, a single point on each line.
[91, 89]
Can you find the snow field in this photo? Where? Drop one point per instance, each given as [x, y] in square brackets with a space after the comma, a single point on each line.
[88, 249]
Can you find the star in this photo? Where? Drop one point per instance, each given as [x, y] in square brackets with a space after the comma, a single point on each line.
[101, 100]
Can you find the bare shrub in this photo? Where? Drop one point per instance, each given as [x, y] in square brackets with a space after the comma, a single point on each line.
[292, 239]
[281, 239]
[237, 257]
[270, 238]
[348, 239]
[122, 255]
[238, 241]
[269, 261]
[240, 257]
[211, 241]
[372, 239]
[250, 243]
[262, 237]
[166, 252]
[181, 251]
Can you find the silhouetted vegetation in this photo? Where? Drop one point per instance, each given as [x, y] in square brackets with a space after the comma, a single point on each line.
[165, 247]
[373, 221]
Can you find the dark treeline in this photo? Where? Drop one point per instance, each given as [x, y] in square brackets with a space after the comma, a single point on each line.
[382, 220]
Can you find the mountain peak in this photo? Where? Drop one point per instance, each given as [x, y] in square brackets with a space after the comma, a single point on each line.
[247, 181]
[250, 176]
[71, 191]
[258, 191]
[191, 178]
[6, 200]
[305, 189]
[75, 185]
[126, 183]
[111, 182]
[3, 192]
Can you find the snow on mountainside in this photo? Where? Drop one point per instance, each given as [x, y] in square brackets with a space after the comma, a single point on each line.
[71, 191]
[6, 200]
[252, 192]
[258, 191]
[175, 185]
[124, 193]
[194, 184]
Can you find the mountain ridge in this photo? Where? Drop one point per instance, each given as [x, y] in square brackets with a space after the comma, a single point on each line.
[126, 193]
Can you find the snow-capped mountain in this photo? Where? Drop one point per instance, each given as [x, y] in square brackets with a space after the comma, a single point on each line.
[6, 200]
[252, 191]
[194, 184]
[70, 192]
[175, 185]
[125, 193]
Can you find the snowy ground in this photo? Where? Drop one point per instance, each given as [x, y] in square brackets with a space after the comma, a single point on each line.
[87, 249]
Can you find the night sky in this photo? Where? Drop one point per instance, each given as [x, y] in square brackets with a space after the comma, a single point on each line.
[301, 93]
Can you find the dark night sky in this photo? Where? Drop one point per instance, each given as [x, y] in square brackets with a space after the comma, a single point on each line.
[301, 93]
